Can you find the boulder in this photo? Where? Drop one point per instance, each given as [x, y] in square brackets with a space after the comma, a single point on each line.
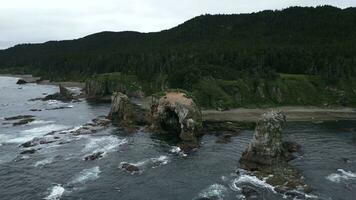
[21, 82]
[178, 114]
[129, 167]
[94, 156]
[124, 112]
[266, 147]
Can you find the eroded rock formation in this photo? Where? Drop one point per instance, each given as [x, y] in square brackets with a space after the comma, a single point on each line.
[176, 113]
[63, 95]
[124, 112]
[266, 146]
[267, 156]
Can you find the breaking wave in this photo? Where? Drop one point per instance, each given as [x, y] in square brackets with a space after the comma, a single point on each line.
[56, 193]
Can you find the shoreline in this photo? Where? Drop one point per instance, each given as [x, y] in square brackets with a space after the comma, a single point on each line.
[293, 113]
[33, 79]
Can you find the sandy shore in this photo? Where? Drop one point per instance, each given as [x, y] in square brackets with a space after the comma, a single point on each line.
[293, 113]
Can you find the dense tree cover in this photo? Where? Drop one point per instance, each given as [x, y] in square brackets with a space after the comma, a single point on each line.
[298, 40]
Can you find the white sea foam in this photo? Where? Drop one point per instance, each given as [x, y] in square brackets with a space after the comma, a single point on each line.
[161, 160]
[86, 175]
[177, 150]
[38, 122]
[341, 176]
[44, 162]
[104, 144]
[29, 134]
[56, 193]
[248, 179]
[216, 191]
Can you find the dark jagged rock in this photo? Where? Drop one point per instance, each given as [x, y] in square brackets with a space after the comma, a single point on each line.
[35, 110]
[126, 113]
[23, 122]
[92, 127]
[129, 167]
[178, 114]
[21, 82]
[63, 95]
[19, 117]
[94, 156]
[30, 151]
[38, 141]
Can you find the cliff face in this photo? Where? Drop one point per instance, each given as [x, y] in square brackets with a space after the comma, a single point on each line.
[104, 85]
[126, 113]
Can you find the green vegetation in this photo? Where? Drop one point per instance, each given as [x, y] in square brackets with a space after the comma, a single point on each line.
[223, 60]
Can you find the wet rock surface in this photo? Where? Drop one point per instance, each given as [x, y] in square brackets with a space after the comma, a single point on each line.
[63, 95]
[268, 156]
[20, 120]
[94, 156]
[129, 167]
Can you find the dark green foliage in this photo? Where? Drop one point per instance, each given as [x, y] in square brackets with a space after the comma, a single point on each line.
[225, 60]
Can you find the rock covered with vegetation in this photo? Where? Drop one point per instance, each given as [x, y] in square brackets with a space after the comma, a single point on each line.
[177, 113]
[101, 87]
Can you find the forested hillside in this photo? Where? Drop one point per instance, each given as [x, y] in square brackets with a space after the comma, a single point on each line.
[316, 42]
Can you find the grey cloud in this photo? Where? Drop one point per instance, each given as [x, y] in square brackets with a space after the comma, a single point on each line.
[42, 20]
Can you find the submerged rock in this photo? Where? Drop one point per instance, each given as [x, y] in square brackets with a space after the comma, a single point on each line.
[30, 151]
[94, 156]
[129, 167]
[20, 119]
[23, 122]
[178, 114]
[124, 112]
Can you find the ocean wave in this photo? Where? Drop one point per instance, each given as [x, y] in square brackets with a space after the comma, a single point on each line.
[215, 191]
[86, 175]
[105, 144]
[341, 176]
[248, 179]
[177, 150]
[56, 193]
[29, 134]
[44, 162]
[161, 160]
[40, 122]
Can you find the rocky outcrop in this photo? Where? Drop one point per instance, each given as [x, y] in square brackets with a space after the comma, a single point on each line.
[124, 112]
[101, 87]
[63, 95]
[267, 145]
[268, 156]
[178, 114]
[20, 120]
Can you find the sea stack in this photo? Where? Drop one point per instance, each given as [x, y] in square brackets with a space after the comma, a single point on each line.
[266, 147]
[176, 113]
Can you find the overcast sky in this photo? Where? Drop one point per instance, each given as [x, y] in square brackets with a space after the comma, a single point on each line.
[29, 21]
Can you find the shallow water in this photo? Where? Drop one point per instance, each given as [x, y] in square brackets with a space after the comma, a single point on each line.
[58, 171]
